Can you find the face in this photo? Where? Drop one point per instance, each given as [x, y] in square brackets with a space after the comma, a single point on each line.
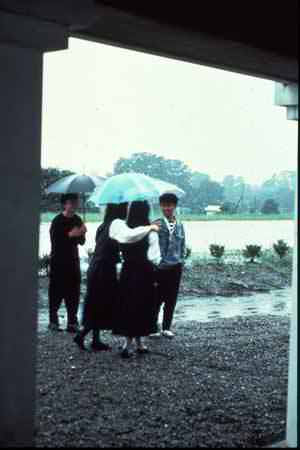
[168, 209]
[71, 206]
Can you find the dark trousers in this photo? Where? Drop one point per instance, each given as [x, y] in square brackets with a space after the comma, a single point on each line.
[168, 288]
[58, 291]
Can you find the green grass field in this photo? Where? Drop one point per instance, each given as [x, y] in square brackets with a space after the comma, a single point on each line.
[96, 217]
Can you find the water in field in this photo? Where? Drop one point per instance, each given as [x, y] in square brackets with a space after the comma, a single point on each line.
[275, 303]
[232, 234]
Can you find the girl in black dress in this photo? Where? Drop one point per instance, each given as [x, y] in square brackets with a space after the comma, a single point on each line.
[136, 316]
[102, 282]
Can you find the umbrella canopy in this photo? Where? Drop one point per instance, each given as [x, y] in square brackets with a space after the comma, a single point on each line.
[75, 184]
[129, 187]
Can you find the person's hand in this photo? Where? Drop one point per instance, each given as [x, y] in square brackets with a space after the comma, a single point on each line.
[83, 229]
[155, 227]
[75, 232]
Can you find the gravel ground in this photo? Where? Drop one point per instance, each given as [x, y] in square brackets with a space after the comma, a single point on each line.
[218, 384]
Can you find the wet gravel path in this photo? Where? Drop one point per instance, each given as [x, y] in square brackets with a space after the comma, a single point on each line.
[218, 384]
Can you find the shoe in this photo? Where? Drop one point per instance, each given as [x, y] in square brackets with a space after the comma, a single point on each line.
[72, 329]
[155, 335]
[126, 354]
[80, 342]
[168, 334]
[100, 347]
[54, 327]
[143, 351]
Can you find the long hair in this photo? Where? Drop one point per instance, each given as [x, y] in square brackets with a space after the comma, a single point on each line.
[139, 214]
[115, 211]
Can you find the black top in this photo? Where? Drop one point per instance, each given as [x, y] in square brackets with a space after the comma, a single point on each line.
[64, 249]
[136, 253]
[107, 249]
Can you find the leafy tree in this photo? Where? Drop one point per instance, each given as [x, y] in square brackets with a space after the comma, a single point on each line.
[236, 191]
[280, 187]
[227, 207]
[270, 206]
[170, 170]
[203, 192]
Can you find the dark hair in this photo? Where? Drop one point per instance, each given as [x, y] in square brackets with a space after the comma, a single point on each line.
[168, 198]
[139, 213]
[115, 211]
[68, 197]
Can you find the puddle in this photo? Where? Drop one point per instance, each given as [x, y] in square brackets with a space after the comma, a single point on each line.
[275, 303]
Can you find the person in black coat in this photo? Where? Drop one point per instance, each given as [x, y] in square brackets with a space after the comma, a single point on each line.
[102, 281]
[67, 231]
[136, 315]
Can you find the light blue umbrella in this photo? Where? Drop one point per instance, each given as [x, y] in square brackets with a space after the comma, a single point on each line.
[129, 187]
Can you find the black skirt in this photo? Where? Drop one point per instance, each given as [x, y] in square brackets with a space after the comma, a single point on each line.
[100, 301]
[137, 303]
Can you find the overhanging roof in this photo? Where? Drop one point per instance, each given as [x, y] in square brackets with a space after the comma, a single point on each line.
[253, 37]
[257, 38]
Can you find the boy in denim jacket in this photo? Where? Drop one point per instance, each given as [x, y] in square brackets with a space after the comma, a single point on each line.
[172, 242]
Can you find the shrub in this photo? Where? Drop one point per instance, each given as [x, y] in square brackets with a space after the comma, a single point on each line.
[44, 265]
[281, 248]
[188, 253]
[251, 252]
[217, 251]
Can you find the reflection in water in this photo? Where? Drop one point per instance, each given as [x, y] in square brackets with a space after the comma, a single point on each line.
[276, 303]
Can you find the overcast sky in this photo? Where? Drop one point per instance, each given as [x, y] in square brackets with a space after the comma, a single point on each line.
[103, 102]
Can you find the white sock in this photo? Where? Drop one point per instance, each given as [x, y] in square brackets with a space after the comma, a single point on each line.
[140, 342]
[127, 344]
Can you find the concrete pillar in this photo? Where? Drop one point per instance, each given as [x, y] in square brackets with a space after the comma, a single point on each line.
[22, 42]
[292, 416]
[287, 95]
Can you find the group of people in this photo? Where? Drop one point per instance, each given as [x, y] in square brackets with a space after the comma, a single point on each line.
[126, 303]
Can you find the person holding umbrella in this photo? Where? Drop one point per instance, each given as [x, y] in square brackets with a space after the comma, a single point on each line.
[136, 315]
[67, 231]
[102, 283]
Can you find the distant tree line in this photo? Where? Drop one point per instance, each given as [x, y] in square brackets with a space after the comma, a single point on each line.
[233, 194]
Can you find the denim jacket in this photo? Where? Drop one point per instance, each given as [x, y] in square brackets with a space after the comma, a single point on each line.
[172, 246]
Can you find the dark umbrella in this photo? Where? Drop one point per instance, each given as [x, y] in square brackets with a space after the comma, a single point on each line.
[76, 184]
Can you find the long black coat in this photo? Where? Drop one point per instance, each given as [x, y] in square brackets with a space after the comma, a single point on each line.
[102, 283]
[137, 304]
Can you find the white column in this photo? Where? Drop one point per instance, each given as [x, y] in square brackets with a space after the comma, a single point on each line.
[21, 58]
[292, 416]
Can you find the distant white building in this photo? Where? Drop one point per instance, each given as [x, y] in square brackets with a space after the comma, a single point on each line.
[212, 209]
